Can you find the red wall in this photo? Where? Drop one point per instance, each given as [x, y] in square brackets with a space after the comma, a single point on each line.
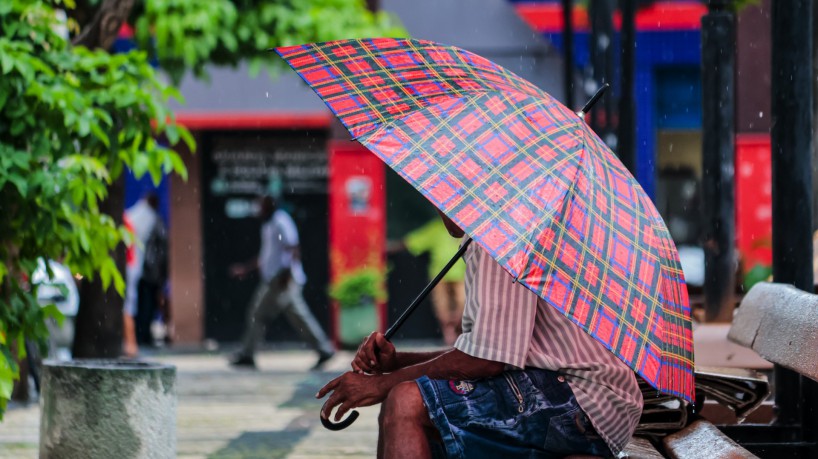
[357, 214]
[754, 199]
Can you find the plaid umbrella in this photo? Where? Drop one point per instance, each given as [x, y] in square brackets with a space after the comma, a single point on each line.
[524, 177]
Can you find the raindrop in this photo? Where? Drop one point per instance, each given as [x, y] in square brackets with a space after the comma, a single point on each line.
[267, 94]
[761, 114]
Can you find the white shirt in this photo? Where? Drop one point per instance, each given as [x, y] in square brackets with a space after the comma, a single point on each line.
[143, 218]
[279, 237]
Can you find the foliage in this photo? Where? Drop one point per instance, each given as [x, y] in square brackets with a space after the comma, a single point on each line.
[357, 287]
[758, 273]
[190, 34]
[71, 120]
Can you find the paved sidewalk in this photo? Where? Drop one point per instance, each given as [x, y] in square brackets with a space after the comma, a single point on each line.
[227, 413]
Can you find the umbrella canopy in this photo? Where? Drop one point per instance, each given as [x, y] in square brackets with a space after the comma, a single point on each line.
[527, 179]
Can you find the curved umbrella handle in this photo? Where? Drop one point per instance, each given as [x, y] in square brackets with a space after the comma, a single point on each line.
[343, 424]
[353, 415]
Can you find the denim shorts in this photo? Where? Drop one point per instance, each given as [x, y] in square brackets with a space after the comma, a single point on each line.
[528, 413]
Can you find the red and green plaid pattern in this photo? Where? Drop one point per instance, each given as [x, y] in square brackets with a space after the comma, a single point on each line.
[524, 177]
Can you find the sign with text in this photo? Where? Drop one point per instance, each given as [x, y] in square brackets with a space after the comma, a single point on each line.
[238, 168]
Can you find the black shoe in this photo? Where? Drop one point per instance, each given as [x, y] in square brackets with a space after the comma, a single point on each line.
[323, 357]
[243, 361]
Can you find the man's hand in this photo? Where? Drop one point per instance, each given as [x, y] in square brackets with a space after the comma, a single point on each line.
[352, 390]
[376, 355]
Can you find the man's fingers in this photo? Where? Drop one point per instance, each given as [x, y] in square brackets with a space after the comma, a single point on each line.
[333, 400]
[382, 342]
[342, 409]
[330, 386]
[369, 353]
[360, 366]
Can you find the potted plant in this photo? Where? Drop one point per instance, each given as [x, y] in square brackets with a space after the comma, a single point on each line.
[357, 292]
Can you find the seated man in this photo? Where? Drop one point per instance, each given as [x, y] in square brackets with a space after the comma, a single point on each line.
[521, 381]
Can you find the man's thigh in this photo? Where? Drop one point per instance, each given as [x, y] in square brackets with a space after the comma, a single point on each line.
[504, 416]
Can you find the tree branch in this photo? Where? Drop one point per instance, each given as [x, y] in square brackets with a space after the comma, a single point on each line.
[103, 29]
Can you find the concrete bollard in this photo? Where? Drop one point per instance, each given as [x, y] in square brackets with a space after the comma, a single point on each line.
[108, 409]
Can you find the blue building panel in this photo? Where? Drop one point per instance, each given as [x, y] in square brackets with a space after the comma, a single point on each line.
[667, 87]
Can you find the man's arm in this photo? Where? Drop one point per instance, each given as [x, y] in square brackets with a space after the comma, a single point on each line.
[242, 269]
[352, 390]
[451, 364]
[377, 355]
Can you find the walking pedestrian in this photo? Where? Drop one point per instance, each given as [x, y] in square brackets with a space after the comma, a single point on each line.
[142, 292]
[280, 287]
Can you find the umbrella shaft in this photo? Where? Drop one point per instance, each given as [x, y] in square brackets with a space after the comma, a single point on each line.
[425, 292]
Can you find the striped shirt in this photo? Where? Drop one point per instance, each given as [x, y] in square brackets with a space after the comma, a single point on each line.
[505, 322]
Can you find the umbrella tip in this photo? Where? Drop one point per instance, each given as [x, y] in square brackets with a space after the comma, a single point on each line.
[590, 104]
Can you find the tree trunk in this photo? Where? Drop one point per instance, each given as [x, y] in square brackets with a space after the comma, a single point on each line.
[104, 27]
[98, 332]
[20, 393]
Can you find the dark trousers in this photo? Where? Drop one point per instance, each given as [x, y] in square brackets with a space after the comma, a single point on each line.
[147, 304]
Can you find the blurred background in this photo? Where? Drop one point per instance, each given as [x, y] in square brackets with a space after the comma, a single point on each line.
[272, 134]
[138, 135]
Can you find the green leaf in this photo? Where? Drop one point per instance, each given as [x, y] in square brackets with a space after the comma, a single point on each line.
[6, 387]
[100, 134]
[139, 166]
[21, 346]
[187, 137]
[6, 63]
[20, 183]
[108, 272]
[7, 377]
[178, 164]
[119, 283]
[51, 311]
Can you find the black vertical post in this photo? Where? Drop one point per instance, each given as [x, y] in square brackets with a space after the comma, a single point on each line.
[601, 19]
[792, 169]
[718, 145]
[568, 52]
[608, 75]
[627, 105]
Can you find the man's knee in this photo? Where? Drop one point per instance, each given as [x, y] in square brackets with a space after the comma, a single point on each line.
[404, 404]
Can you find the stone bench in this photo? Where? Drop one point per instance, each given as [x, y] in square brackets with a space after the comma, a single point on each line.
[780, 323]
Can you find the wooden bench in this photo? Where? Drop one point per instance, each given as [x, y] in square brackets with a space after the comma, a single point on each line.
[780, 323]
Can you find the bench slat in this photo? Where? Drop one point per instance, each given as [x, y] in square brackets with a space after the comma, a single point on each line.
[641, 448]
[780, 323]
[703, 440]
